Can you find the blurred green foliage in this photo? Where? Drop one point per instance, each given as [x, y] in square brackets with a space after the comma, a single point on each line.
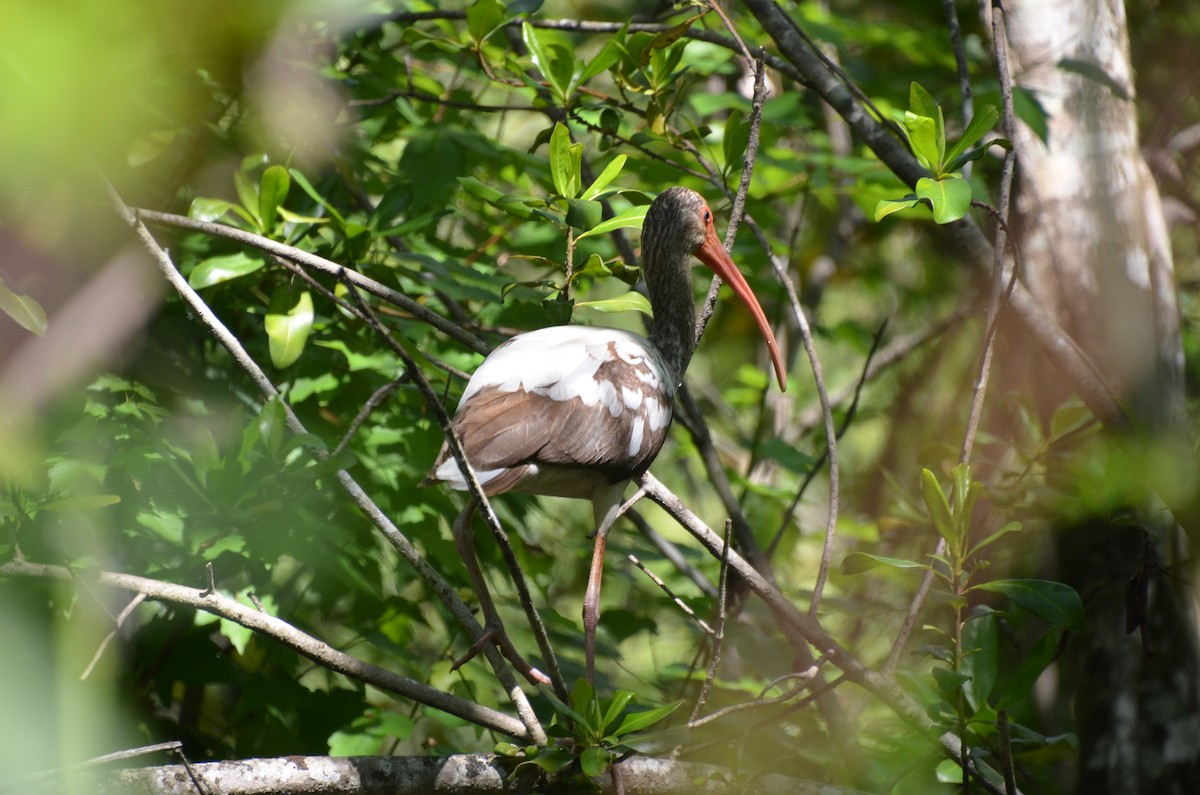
[464, 159]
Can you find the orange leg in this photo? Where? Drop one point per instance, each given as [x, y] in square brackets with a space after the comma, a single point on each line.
[493, 629]
[591, 601]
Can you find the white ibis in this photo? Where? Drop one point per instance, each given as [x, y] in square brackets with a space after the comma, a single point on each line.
[578, 411]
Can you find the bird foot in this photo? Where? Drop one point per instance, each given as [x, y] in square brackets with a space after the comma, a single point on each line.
[497, 635]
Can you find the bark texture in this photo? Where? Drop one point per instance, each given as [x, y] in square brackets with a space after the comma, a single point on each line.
[1097, 254]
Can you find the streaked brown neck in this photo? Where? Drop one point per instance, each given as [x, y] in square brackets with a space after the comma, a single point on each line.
[669, 282]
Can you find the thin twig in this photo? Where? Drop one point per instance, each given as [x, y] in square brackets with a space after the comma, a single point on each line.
[124, 614]
[682, 605]
[719, 635]
[805, 679]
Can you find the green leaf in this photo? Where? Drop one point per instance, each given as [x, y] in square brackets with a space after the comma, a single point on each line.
[1011, 527]
[483, 18]
[981, 123]
[308, 188]
[549, 60]
[888, 206]
[584, 215]
[949, 771]
[735, 140]
[976, 153]
[633, 217]
[628, 302]
[247, 193]
[920, 101]
[981, 658]
[922, 136]
[203, 209]
[26, 311]
[950, 197]
[215, 270]
[858, 562]
[616, 706]
[657, 742]
[288, 331]
[938, 507]
[562, 163]
[948, 681]
[608, 55]
[1094, 72]
[1053, 602]
[480, 191]
[272, 190]
[637, 721]
[595, 761]
[609, 173]
[81, 504]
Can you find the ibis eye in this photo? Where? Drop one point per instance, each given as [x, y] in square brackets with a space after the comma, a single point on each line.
[707, 216]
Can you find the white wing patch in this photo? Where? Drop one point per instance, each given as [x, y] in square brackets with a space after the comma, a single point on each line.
[562, 363]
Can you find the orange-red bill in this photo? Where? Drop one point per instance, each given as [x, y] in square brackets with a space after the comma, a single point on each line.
[713, 254]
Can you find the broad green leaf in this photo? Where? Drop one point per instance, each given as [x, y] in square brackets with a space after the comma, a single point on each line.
[479, 190]
[483, 17]
[1053, 602]
[287, 332]
[549, 60]
[949, 771]
[562, 163]
[981, 658]
[26, 311]
[616, 705]
[637, 721]
[203, 209]
[735, 140]
[633, 217]
[938, 507]
[308, 188]
[295, 218]
[628, 302]
[215, 270]
[948, 681]
[1030, 110]
[888, 206]
[247, 193]
[981, 123]
[583, 702]
[950, 197]
[594, 761]
[272, 190]
[858, 562]
[922, 136]
[920, 101]
[609, 55]
[609, 173]
[583, 214]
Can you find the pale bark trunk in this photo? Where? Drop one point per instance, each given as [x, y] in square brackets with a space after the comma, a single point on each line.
[1096, 252]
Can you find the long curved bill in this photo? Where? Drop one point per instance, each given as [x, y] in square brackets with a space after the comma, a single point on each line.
[713, 254]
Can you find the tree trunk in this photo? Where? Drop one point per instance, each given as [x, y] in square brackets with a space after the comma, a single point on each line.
[1096, 252]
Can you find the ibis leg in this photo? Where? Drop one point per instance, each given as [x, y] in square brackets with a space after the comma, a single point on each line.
[591, 601]
[493, 629]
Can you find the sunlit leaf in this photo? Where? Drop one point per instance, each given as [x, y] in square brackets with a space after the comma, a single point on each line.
[272, 190]
[215, 270]
[627, 302]
[288, 331]
[26, 311]
[633, 217]
[950, 197]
